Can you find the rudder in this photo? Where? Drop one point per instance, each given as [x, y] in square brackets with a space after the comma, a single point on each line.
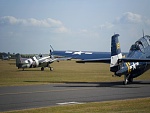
[115, 53]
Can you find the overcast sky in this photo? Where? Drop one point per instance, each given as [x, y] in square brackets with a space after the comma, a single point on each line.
[30, 26]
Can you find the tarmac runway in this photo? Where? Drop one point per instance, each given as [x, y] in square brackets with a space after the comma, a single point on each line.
[35, 96]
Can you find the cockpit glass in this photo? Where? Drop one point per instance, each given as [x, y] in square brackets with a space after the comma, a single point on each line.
[134, 47]
[137, 46]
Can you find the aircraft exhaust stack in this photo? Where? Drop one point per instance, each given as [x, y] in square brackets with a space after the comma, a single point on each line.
[115, 53]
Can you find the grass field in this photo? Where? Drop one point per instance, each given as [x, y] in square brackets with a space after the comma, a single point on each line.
[64, 71]
[121, 106]
[69, 71]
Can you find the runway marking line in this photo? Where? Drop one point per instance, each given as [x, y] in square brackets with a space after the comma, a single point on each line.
[69, 103]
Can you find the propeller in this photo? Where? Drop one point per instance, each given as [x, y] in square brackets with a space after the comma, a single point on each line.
[143, 32]
[50, 54]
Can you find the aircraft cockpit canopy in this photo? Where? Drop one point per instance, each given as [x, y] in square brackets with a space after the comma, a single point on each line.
[137, 46]
[134, 47]
[141, 44]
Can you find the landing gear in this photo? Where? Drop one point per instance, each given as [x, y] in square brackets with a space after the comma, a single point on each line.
[51, 68]
[42, 68]
[127, 79]
[130, 80]
[125, 82]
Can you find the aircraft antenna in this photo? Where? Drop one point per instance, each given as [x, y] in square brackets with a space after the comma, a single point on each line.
[143, 32]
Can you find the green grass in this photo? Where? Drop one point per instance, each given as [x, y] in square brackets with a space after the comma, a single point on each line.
[121, 106]
[69, 71]
[64, 71]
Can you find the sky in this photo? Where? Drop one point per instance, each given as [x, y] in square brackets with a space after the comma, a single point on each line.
[31, 26]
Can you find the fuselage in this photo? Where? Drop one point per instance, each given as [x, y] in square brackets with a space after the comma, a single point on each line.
[139, 50]
[34, 62]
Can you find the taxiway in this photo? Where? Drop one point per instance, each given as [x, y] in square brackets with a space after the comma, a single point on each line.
[35, 96]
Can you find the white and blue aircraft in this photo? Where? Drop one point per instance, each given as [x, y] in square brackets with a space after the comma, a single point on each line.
[136, 62]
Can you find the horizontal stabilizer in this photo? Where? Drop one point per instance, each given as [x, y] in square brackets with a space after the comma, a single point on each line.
[134, 60]
[103, 60]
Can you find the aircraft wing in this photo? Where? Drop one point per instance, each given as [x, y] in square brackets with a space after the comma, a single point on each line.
[46, 60]
[107, 60]
[134, 60]
[82, 54]
[102, 60]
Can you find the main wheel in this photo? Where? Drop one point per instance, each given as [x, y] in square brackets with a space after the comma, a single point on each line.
[130, 80]
[125, 82]
[42, 68]
[51, 68]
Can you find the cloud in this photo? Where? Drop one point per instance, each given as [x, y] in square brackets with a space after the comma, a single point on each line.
[126, 19]
[106, 25]
[129, 18]
[83, 31]
[54, 24]
[61, 29]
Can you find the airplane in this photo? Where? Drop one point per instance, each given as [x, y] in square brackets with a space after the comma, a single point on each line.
[6, 56]
[136, 62]
[37, 61]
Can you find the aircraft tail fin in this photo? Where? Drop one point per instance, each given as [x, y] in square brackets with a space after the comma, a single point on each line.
[18, 60]
[115, 53]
